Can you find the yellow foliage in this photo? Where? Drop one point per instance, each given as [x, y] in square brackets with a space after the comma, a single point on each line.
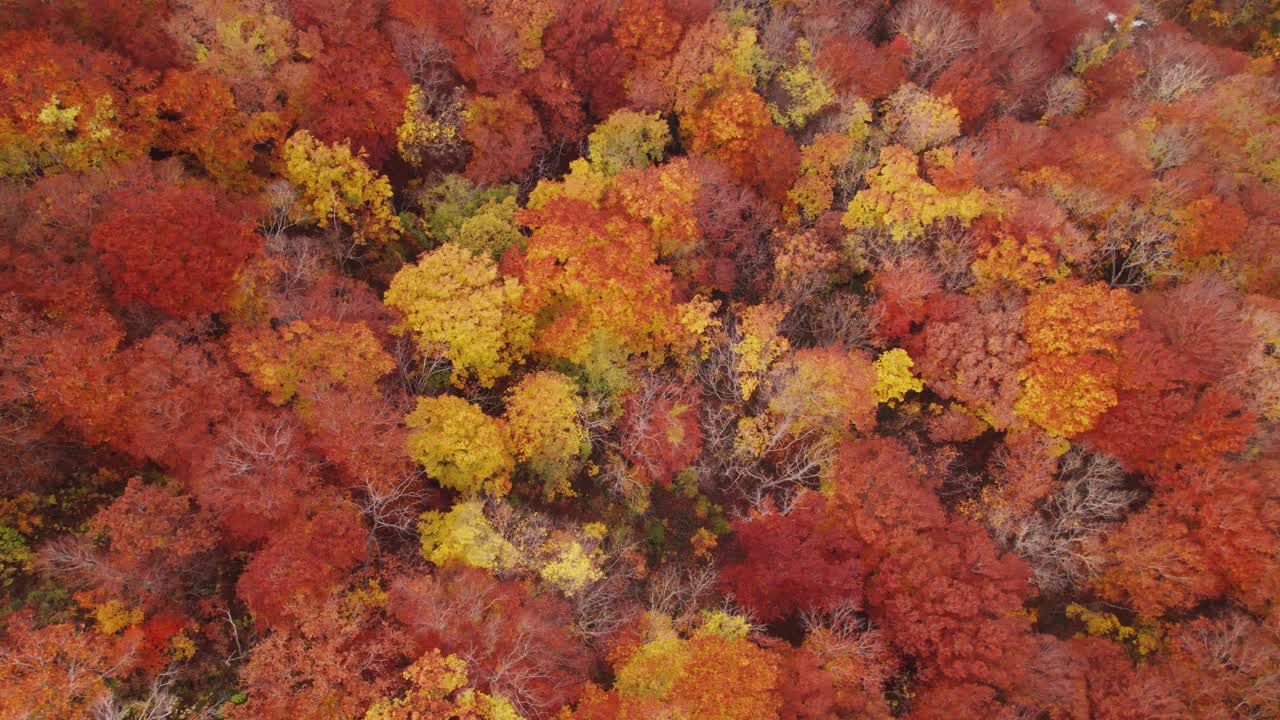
[1066, 395]
[492, 229]
[653, 669]
[456, 306]
[697, 317]
[337, 185]
[808, 93]
[422, 134]
[1071, 318]
[112, 616]
[438, 690]
[1025, 263]
[703, 542]
[627, 139]
[542, 423]
[181, 647]
[459, 445]
[919, 120]
[311, 355]
[759, 346]
[1142, 638]
[464, 535]
[894, 378]
[573, 568]
[721, 624]
[582, 182]
[899, 201]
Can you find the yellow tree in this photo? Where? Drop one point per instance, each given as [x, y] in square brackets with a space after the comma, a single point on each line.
[459, 445]
[438, 688]
[457, 307]
[464, 535]
[305, 357]
[897, 200]
[894, 378]
[628, 139]
[542, 423]
[337, 186]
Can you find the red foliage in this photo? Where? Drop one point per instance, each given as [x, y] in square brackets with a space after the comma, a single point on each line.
[254, 474]
[972, 351]
[821, 572]
[901, 291]
[341, 657]
[152, 533]
[176, 393]
[734, 221]
[855, 65]
[939, 588]
[517, 643]
[302, 563]
[660, 431]
[175, 248]
[968, 84]
[505, 137]
[356, 93]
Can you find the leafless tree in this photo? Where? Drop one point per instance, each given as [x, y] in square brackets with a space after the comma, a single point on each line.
[1135, 250]
[938, 35]
[1055, 540]
[393, 506]
[160, 702]
[679, 591]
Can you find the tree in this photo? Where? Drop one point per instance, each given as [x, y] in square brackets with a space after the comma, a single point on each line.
[152, 534]
[302, 563]
[821, 571]
[660, 431]
[505, 136]
[302, 360]
[1073, 330]
[176, 248]
[437, 690]
[254, 474]
[972, 352]
[900, 202]
[460, 446]
[340, 658]
[199, 116]
[544, 429]
[353, 94]
[465, 536]
[894, 378]
[938, 587]
[56, 671]
[516, 644]
[175, 394]
[735, 127]
[918, 120]
[72, 109]
[337, 186]
[592, 274]
[628, 139]
[456, 306]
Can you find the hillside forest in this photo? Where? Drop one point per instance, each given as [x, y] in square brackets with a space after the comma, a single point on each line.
[639, 359]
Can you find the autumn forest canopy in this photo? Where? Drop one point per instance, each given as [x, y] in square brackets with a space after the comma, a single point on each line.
[639, 360]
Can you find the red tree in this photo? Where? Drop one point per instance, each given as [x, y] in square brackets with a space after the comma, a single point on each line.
[175, 248]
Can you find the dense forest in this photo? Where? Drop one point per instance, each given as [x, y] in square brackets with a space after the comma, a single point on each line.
[639, 359]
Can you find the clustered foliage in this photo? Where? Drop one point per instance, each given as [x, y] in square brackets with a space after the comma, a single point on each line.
[639, 359]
